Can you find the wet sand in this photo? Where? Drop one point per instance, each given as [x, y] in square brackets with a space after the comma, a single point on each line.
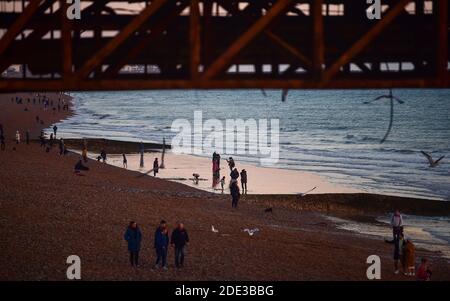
[49, 213]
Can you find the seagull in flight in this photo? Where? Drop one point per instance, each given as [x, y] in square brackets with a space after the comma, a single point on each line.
[214, 229]
[306, 192]
[433, 163]
[251, 231]
[391, 97]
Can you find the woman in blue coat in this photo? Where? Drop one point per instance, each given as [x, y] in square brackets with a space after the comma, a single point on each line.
[133, 236]
[161, 244]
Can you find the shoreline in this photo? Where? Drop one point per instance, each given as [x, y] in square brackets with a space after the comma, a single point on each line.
[53, 212]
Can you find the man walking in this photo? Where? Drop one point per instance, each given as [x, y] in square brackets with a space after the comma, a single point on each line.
[161, 244]
[179, 240]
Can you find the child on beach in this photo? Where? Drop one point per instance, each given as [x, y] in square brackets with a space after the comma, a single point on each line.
[222, 183]
[17, 137]
[424, 272]
[125, 162]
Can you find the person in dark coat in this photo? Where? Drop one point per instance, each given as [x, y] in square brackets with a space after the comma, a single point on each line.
[103, 155]
[179, 240]
[234, 174]
[161, 244]
[155, 167]
[27, 137]
[244, 181]
[55, 129]
[133, 236]
[231, 163]
[235, 194]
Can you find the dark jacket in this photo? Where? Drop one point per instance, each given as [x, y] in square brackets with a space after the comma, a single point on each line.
[234, 191]
[179, 237]
[161, 239]
[234, 174]
[133, 237]
[244, 176]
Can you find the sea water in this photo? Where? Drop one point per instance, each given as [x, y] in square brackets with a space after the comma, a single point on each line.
[329, 132]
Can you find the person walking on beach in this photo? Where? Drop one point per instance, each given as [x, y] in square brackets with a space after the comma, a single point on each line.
[17, 137]
[61, 147]
[179, 240]
[244, 181]
[398, 252]
[231, 163]
[133, 236]
[125, 162]
[235, 194]
[397, 224]
[155, 167]
[161, 244]
[103, 155]
[141, 151]
[222, 183]
[27, 137]
[55, 129]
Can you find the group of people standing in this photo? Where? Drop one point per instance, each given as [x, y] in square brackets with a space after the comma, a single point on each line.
[179, 239]
[234, 176]
[404, 252]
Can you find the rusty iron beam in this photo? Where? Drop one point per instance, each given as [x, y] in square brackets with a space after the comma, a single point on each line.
[289, 48]
[66, 41]
[259, 26]
[365, 40]
[98, 57]
[142, 84]
[318, 39]
[195, 39]
[156, 31]
[442, 38]
[18, 25]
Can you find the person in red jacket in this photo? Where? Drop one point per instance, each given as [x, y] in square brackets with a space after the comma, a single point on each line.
[424, 271]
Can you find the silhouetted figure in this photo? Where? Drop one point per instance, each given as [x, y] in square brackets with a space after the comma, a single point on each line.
[133, 236]
[244, 181]
[155, 167]
[235, 194]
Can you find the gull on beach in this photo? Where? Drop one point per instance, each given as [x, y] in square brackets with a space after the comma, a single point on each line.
[306, 192]
[214, 229]
[433, 163]
[251, 231]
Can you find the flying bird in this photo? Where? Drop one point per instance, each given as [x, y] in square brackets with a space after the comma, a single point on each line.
[214, 229]
[391, 97]
[433, 163]
[251, 231]
[306, 192]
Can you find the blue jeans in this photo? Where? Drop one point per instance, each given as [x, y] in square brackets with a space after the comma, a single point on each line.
[161, 255]
[179, 255]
